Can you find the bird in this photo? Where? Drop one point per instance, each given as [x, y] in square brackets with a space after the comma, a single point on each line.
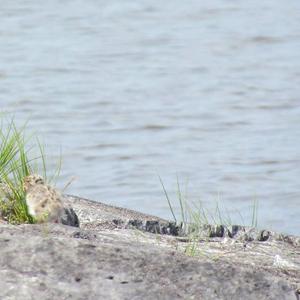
[43, 201]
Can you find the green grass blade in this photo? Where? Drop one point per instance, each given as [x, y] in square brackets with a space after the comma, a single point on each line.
[168, 199]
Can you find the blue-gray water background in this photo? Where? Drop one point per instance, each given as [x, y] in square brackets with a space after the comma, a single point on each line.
[204, 90]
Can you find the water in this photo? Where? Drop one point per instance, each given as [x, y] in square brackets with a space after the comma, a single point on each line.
[204, 90]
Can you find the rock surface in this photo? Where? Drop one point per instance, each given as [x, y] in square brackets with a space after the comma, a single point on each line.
[69, 217]
[115, 255]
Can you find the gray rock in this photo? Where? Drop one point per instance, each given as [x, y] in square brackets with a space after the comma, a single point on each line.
[52, 261]
[70, 217]
[114, 255]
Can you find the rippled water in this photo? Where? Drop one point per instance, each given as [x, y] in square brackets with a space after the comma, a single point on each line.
[204, 90]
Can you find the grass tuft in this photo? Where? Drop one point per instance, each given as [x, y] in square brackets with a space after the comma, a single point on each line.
[17, 162]
[194, 217]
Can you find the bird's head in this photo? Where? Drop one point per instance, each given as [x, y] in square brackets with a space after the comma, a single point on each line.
[32, 180]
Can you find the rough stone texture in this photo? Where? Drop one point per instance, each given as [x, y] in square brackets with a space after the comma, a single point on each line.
[109, 258]
[69, 217]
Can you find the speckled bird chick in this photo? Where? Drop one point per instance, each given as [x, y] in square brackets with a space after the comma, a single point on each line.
[43, 201]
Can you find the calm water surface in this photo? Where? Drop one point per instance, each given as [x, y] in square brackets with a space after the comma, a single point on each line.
[208, 91]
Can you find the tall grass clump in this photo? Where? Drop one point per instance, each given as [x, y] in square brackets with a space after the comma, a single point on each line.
[19, 157]
[194, 217]
[195, 214]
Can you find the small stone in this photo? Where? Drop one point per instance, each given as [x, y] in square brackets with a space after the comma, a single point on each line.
[264, 235]
[70, 217]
